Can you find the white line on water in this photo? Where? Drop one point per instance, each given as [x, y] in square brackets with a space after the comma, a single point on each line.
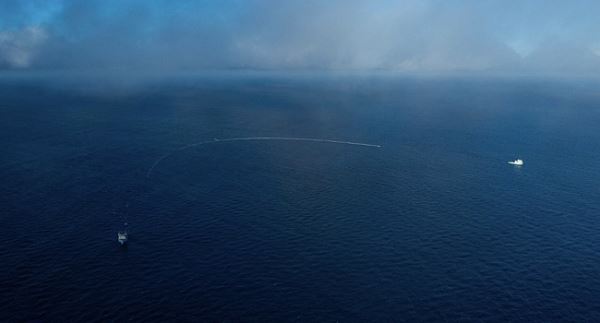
[160, 159]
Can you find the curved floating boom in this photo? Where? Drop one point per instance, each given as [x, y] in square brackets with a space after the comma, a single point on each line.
[216, 140]
[300, 139]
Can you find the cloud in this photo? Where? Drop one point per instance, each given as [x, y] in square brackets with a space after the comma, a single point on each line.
[410, 35]
[18, 48]
[564, 57]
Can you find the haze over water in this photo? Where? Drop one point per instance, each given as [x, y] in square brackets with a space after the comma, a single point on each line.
[432, 226]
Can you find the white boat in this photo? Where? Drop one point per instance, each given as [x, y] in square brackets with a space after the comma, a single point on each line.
[122, 237]
[516, 162]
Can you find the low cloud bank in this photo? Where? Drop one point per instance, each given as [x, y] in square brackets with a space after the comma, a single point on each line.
[409, 36]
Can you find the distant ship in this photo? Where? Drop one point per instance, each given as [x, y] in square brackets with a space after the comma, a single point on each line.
[516, 162]
[122, 237]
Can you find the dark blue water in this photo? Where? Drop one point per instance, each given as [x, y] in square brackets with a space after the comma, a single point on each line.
[433, 226]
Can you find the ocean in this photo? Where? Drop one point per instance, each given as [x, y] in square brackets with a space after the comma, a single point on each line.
[433, 225]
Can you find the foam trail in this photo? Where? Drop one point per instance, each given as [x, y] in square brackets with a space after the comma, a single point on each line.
[160, 159]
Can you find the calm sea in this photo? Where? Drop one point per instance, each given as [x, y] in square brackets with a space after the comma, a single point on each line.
[432, 226]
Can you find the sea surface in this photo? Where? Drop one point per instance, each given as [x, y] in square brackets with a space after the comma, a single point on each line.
[434, 225]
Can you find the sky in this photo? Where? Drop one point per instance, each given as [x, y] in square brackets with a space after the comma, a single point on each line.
[503, 36]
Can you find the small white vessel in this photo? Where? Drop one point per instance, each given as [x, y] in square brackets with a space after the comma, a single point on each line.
[516, 162]
[122, 237]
